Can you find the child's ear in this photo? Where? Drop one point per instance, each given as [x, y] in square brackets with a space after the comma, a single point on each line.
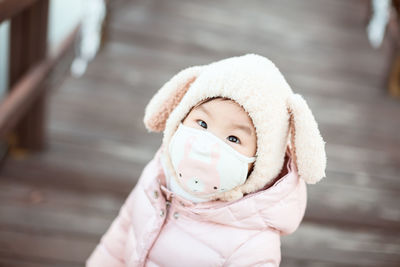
[168, 97]
[307, 145]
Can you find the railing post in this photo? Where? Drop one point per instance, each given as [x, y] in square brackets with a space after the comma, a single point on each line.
[28, 46]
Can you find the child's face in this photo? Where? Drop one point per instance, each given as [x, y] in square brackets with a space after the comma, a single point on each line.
[227, 120]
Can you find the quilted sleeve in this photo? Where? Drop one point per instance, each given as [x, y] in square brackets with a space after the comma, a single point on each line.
[262, 249]
[110, 252]
[111, 249]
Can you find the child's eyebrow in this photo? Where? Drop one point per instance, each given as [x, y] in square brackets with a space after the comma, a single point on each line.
[233, 126]
[202, 108]
[241, 127]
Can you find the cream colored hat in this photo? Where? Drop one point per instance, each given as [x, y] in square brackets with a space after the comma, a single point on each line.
[281, 118]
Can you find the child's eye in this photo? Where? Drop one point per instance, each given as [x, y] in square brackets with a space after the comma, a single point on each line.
[233, 139]
[202, 124]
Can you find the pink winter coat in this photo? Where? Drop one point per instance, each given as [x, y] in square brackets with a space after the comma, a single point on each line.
[158, 228]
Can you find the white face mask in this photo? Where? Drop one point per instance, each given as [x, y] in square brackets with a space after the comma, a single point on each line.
[204, 164]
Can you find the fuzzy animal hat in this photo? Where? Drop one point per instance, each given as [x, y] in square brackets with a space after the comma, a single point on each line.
[281, 118]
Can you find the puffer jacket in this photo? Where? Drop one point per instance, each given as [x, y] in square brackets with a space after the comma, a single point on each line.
[155, 227]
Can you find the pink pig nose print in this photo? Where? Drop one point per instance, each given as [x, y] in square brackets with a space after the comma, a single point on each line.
[196, 175]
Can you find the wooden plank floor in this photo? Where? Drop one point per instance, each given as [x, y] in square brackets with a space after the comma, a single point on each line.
[55, 205]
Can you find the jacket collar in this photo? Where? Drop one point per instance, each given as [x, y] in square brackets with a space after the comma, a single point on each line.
[280, 205]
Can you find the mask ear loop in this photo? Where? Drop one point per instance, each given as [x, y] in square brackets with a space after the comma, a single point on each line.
[252, 159]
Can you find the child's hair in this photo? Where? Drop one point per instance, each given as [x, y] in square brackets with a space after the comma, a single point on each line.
[211, 98]
[208, 99]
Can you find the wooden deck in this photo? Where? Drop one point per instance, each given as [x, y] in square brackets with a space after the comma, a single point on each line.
[55, 205]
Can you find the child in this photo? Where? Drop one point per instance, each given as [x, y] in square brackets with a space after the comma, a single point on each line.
[229, 178]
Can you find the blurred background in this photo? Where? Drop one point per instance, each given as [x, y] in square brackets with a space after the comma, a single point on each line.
[75, 77]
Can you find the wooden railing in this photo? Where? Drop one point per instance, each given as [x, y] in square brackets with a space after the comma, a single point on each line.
[22, 111]
[10, 8]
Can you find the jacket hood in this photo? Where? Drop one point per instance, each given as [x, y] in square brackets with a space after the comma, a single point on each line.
[278, 115]
[280, 205]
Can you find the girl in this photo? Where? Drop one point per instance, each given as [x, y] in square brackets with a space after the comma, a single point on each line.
[229, 178]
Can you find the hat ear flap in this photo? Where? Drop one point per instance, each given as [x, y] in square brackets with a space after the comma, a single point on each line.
[307, 145]
[168, 97]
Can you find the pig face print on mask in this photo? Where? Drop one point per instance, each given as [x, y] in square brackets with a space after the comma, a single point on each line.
[204, 164]
[197, 175]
